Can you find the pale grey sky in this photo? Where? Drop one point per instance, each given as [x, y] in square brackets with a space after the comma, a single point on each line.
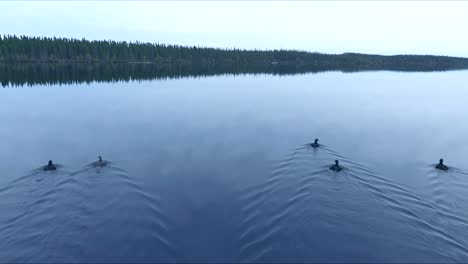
[384, 27]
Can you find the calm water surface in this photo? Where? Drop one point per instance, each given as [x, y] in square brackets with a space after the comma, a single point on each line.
[217, 169]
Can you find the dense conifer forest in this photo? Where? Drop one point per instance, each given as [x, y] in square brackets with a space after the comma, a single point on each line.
[38, 59]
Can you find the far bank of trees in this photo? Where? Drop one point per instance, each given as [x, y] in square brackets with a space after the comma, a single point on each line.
[35, 60]
[23, 49]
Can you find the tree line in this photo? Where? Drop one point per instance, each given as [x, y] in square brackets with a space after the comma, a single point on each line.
[25, 49]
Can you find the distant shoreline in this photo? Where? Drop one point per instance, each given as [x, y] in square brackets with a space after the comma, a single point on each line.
[14, 49]
[336, 61]
[30, 60]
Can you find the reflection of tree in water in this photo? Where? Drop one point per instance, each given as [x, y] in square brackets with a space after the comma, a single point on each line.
[20, 74]
[45, 73]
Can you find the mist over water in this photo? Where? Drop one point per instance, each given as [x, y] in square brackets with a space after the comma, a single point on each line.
[219, 169]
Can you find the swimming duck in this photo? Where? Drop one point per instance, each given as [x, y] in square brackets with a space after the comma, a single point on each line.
[441, 165]
[100, 162]
[315, 144]
[336, 167]
[49, 166]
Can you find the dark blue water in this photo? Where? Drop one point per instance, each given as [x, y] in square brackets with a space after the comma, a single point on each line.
[218, 170]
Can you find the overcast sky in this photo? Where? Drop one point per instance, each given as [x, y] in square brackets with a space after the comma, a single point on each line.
[390, 27]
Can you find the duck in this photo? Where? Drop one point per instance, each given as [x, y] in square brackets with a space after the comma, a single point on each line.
[315, 144]
[336, 166]
[50, 166]
[100, 162]
[441, 165]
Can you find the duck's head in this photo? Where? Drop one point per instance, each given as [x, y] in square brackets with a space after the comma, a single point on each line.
[336, 162]
[100, 158]
[316, 141]
[441, 161]
[50, 163]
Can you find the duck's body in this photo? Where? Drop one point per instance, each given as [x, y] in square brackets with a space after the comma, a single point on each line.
[315, 144]
[441, 165]
[50, 166]
[336, 166]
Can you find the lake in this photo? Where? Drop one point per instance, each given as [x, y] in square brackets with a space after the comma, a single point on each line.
[218, 169]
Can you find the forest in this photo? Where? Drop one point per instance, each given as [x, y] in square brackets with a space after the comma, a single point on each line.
[26, 59]
[62, 50]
